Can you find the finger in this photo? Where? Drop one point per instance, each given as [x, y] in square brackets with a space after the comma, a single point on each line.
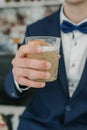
[31, 63]
[59, 56]
[26, 49]
[13, 61]
[31, 74]
[26, 82]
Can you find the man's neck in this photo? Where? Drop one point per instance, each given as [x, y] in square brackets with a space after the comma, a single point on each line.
[76, 13]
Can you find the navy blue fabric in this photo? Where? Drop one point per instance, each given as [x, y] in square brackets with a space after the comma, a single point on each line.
[51, 107]
[69, 27]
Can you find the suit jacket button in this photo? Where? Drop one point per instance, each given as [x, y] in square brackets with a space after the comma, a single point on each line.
[13, 94]
[68, 108]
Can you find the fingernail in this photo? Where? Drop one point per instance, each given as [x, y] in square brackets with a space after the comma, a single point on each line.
[48, 65]
[43, 85]
[47, 76]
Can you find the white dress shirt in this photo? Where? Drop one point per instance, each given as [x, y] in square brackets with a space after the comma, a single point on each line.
[75, 53]
[74, 49]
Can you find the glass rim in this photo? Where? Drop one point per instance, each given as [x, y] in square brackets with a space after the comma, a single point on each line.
[43, 37]
[56, 39]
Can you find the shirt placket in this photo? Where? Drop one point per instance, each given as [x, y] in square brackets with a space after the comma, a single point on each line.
[72, 67]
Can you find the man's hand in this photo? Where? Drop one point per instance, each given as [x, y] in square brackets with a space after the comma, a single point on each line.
[25, 69]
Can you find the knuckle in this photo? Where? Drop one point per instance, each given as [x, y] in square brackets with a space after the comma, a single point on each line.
[19, 71]
[12, 62]
[34, 63]
[17, 54]
[25, 72]
[43, 64]
[21, 48]
[25, 82]
[28, 62]
[31, 74]
[15, 62]
[13, 71]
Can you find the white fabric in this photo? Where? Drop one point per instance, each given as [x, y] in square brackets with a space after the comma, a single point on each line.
[75, 53]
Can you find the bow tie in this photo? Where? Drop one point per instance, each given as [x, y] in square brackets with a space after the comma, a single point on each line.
[67, 27]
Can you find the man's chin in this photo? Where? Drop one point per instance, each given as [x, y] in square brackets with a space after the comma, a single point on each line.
[74, 2]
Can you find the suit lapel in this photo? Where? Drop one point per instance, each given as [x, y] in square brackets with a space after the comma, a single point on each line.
[62, 73]
[53, 29]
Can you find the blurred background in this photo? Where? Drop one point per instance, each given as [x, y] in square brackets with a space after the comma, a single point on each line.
[15, 15]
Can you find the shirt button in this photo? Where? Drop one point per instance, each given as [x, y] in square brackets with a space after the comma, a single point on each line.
[73, 65]
[75, 43]
[68, 108]
[72, 85]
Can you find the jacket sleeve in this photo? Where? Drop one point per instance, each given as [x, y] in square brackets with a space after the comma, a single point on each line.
[10, 86]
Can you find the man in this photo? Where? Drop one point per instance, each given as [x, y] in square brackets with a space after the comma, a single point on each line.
[62, 104]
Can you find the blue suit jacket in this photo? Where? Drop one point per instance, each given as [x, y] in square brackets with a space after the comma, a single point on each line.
[51, 107]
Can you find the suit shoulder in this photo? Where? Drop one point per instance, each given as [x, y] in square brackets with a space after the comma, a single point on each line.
[40, 27]
[42, 22]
